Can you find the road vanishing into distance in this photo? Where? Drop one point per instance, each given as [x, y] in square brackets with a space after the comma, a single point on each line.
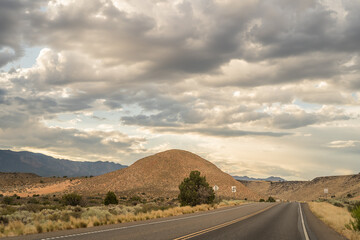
[254, 221]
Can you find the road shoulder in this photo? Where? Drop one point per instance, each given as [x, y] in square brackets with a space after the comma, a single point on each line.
[318, 229]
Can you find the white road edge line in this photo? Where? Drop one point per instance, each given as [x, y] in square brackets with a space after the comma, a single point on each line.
[303, 224]
[143, 224]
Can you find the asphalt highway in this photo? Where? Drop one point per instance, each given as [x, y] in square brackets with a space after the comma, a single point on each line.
[256, 221]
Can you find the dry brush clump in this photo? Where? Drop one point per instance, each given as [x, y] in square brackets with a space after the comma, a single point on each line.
[21, 222]
[335, 217]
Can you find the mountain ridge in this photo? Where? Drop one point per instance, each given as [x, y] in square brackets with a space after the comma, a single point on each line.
[46, 166]
[269, 179]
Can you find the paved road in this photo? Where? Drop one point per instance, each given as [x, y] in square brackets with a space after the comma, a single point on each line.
[251, 222]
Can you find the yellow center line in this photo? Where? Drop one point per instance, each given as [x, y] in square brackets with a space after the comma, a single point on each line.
[191, 235]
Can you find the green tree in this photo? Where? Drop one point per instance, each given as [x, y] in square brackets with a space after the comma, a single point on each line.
[195, 190]
[271, 199]
[110, 198]
[72, 199]
[8, 200]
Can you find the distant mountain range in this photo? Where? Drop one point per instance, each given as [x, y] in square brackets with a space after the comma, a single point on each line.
[269, 179]
[47, 166]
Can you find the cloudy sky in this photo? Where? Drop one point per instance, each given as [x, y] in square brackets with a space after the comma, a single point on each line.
[259, 88]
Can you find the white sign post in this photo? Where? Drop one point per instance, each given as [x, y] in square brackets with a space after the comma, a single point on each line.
[233, 189]
[215, 187]
[326, 191]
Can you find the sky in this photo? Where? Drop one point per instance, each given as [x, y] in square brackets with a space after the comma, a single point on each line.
[259, 88]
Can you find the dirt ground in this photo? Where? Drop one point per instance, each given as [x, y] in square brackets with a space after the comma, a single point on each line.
[41, 189]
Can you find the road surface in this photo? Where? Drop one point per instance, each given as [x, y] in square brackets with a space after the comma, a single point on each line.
[256, 221]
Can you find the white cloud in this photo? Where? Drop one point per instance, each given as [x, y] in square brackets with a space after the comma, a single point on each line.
[223, 71]
[343, 144]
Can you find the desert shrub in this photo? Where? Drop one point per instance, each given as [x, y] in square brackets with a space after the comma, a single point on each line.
[39, 228]
[97, 212]
[150, 207]
[65, 217]
[72, 199]
[4, 220]
[353, 205]
[55, 207]
[195, 190]
[160, 199]
[16, 196]
[32, 207]
[33, 201]
[75, 214]
[8, 210]
[349, 195]
[83, 224]
[8, 200]
[54, 217]
[77, 209]
[338, 204]
[262, 200]
[355, 213]
[135, 200]
[271, 199]
[110, 198]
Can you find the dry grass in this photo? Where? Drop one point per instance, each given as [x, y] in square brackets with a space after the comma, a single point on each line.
[335, 217]
[47, 220]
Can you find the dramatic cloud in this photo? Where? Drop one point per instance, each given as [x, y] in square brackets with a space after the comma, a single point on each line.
[117, 80]
[14, 25]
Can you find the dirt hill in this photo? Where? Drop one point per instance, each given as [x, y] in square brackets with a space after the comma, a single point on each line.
[161, 174]
[24, 184]
[338, 187]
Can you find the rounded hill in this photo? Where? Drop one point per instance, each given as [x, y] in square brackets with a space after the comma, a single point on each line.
[161, 174]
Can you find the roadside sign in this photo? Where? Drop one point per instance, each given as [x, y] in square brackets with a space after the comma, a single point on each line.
[216, 187]
[326, 191]
[233, 189]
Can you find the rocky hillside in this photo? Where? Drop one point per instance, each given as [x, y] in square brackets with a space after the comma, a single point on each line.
[161, 174]
[338, 187]
[46, 166]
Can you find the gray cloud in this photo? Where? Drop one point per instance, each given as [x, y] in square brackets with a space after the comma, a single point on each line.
[221, 132]
[209, 68]
[20, 131]
[13, 25]
[2, 96]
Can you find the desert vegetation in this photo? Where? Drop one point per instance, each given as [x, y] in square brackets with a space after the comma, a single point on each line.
[195, 190]
[336, 215]
[20, 216]
[110, 198]
[354, 224]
